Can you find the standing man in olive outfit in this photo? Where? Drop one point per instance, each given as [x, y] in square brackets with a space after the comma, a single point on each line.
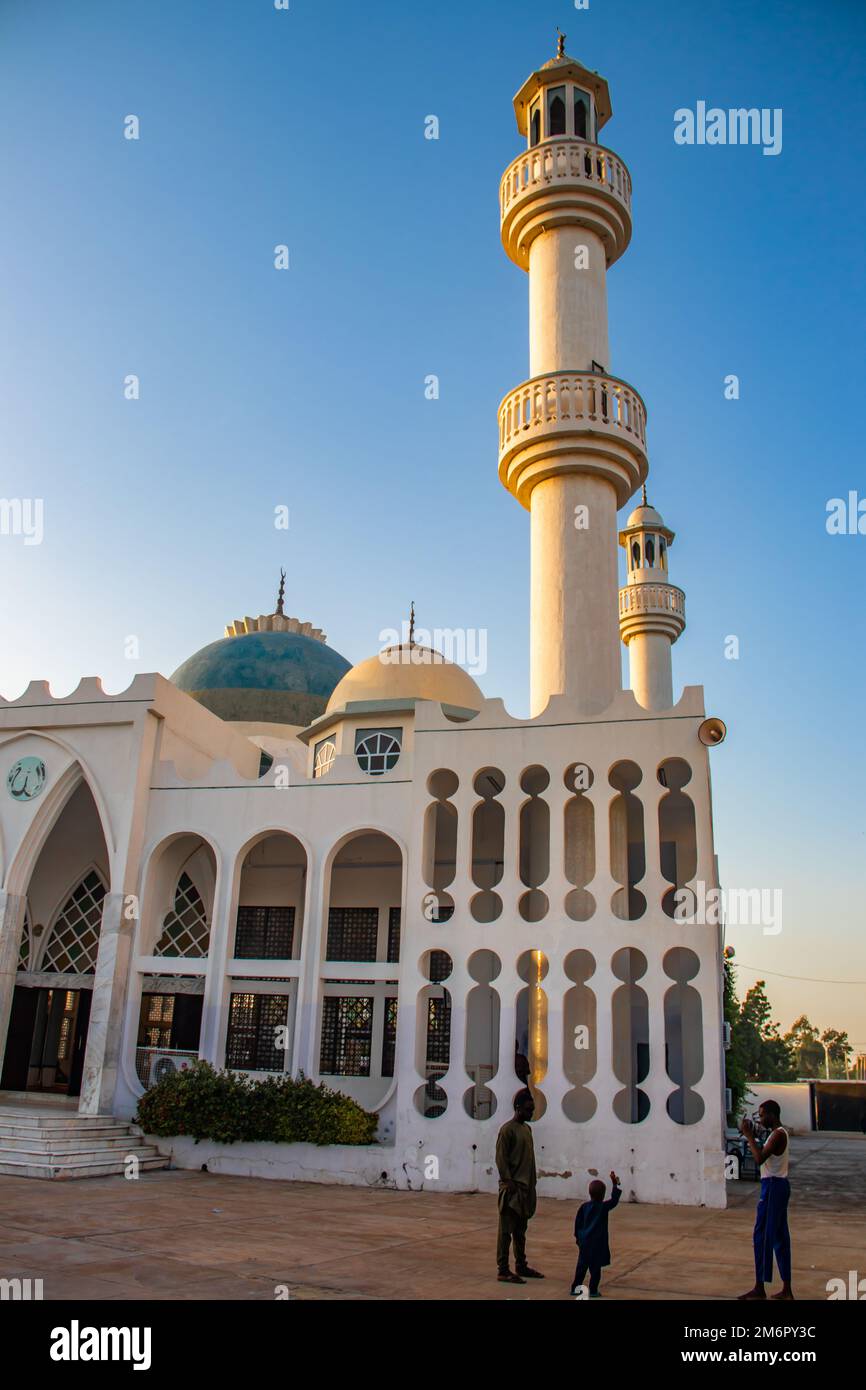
[515, 1159]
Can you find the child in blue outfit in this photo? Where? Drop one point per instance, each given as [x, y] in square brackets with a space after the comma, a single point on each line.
[590, 1232]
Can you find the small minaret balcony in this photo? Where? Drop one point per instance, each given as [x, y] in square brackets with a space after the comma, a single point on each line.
[651, 608]
[565, 182]
[572, 422]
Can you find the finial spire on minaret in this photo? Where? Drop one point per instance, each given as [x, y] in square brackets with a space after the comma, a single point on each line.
[560, 46]
[643, 500]
[412, 623]
[281, 593]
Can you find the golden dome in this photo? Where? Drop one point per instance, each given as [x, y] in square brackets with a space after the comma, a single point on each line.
[407, 672]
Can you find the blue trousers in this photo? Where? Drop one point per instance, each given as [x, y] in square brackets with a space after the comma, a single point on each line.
[771, 1235]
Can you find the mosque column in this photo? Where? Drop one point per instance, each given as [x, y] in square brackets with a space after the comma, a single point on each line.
[12, 909]
[105, 1029]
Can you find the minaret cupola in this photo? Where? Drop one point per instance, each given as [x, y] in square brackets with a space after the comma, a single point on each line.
[563, 99]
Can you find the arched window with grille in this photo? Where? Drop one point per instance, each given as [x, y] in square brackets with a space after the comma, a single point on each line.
[73, 941]
[185, 931]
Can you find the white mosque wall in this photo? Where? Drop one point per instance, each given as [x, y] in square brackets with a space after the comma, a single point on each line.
[147, 806]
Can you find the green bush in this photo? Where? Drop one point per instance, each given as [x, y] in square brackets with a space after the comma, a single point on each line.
[232, 1108]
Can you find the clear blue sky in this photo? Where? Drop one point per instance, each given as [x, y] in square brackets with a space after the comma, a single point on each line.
[305, 388]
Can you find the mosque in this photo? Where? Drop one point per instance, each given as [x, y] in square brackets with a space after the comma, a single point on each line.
[374, 874]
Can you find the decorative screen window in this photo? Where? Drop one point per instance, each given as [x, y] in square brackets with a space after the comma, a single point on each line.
[256, 1032]
[264, 933]
[439, 1031]
[394, 935]
[24, 948]
[377, 750]
[441, 966]
[67, 1025]
[353, 933]
[157, 1015]
[74, 941]
[185, 931]
[389, 1037]
[347, 1036]
[323, 757]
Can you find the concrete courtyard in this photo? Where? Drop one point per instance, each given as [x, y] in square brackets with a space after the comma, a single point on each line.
[190, 1235]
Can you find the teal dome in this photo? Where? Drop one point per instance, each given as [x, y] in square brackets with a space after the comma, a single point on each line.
[263, 677]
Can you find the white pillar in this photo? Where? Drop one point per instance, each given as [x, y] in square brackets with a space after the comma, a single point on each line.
[567, 302]
[105, 1030]
[12, 909]
[574, 639]
[650, 670]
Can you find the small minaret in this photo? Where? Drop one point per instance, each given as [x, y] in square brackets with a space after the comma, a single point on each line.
[652, 612]
[572, 438]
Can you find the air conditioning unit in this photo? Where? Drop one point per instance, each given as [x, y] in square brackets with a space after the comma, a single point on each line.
[726, 1035]
[164, 1063]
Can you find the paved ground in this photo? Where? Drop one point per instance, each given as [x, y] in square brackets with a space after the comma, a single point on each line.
[185, 1235]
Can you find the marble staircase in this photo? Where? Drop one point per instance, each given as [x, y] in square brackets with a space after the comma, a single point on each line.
[45, 1137]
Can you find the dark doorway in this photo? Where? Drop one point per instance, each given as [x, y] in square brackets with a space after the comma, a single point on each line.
[19, 1040]
[46, 1041]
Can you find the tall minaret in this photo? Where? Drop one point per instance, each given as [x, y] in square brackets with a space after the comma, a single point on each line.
[652, 612]
[572, 439]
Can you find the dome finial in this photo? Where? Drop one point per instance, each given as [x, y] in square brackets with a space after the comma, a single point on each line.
[412, 623]
[560, 47]
[281, 594]
[643, 500]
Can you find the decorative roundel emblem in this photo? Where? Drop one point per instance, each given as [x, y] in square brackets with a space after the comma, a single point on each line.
[26, 779]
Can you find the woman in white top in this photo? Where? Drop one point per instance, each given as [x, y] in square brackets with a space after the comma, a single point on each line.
[771, 1235]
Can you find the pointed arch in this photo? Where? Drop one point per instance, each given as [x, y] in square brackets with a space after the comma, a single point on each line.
[50, 808]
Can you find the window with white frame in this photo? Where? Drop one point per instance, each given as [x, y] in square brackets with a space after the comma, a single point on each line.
[377, 750]
[324, 754]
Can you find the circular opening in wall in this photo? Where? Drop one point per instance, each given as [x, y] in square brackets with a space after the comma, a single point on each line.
[625, 776]
[628, 904]
[532, 966]
[631, 1106]
[685, 1107]
[680, 904]
[579, 1105]
[489, 781]
[579, 966]
[479, 1102]
[484, 966]
[436, 966]
[437, 907]
[533, 905]
[674, 773]
[579, 904]
[442, 783]
[681, 964]
[486, 906]
[578, 777]
[430, 1100]
[534, 780]
[628, 964]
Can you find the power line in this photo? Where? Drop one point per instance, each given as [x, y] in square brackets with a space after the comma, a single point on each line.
[808, 979]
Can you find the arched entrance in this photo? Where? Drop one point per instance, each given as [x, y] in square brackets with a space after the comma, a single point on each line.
[50, 1014]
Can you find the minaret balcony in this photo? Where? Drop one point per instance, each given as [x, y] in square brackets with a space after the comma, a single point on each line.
[649, 607]
[565, 182]
[572, 422]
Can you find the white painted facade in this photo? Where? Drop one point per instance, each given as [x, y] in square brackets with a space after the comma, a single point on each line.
[565, 876]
